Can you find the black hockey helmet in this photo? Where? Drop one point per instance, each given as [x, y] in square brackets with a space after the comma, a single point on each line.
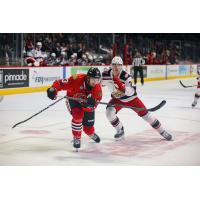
[94, 72]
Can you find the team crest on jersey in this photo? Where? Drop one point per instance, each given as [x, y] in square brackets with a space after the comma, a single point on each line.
[116, 86]
[81, 88]
[118, 94]
[99, 94]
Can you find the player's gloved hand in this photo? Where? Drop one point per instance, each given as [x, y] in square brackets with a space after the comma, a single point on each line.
[135, 93]
[90, 101]
[51, 93]
[120, 85]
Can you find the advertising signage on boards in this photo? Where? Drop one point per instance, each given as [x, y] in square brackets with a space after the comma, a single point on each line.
[14, 78]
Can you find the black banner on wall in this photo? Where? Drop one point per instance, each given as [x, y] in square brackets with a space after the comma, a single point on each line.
[14, 78]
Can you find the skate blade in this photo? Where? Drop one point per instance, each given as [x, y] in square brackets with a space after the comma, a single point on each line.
[168, 139]
[122, 138]
[76, 150]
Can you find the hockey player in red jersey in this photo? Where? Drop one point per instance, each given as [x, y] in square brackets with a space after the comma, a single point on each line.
[197, 93]
[83, 114]
[119, 83]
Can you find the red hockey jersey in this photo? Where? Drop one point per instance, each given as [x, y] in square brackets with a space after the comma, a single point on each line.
[76, 87]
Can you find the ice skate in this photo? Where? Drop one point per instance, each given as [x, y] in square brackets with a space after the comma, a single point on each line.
[76, 143]
[119, 134]
[95, 137]
[166, 135]
[194, 104]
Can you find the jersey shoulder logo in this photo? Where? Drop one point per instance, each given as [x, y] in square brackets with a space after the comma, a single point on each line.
[64, 81]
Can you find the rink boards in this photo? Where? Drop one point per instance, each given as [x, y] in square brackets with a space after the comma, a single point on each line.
[16, 80]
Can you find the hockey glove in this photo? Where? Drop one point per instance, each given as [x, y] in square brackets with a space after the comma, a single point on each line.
[90, 102]
[51, 93]
[120, 85]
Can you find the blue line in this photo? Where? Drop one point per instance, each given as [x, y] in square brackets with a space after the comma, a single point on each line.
[64, 72]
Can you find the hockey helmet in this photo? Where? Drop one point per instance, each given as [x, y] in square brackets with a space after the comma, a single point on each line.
[117, 61]
[94, 72]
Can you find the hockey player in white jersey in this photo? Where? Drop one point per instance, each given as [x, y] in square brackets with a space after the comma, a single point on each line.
[197, 93]
[119, 83]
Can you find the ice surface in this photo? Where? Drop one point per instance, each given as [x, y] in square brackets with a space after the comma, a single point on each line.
[46, 139]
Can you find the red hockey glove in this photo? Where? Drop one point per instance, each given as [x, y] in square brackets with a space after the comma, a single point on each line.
[120, 85]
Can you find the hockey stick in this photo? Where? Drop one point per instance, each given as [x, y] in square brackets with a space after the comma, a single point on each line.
[160, 105]
[186, 86]
[38, 112]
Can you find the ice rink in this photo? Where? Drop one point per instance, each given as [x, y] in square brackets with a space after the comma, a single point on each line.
[46, 139]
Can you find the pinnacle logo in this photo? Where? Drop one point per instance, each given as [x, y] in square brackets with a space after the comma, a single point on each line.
[14, 78]
[1, 78]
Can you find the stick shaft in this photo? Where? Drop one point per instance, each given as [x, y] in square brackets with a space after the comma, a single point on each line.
[38, 112]
[123, 106]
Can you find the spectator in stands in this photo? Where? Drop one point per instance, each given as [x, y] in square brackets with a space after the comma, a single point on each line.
[63, 47]
[69, 51]
[83, 61]
[52, 60]
[37, 52]
[80, 51]
[29, 59]
[36, 57]
[165, 56]
[99, 61]
[57, 50]
[150, 58]
[29, 45]
[62, 60]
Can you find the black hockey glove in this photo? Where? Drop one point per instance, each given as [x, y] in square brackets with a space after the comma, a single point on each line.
[90, 102]
[51, 93]
[135, 93]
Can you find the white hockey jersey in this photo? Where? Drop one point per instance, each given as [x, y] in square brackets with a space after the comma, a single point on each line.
[107, 80]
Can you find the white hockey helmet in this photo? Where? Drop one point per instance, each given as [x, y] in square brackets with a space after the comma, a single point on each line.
[117, 61]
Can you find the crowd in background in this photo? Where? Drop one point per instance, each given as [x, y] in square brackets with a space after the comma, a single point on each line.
[157, 54]
[47, 49]
[64, 50]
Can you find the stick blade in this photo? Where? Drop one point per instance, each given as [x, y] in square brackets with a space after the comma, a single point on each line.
[160, 105]
[18, 123]
[14, 125]
[182, 84]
